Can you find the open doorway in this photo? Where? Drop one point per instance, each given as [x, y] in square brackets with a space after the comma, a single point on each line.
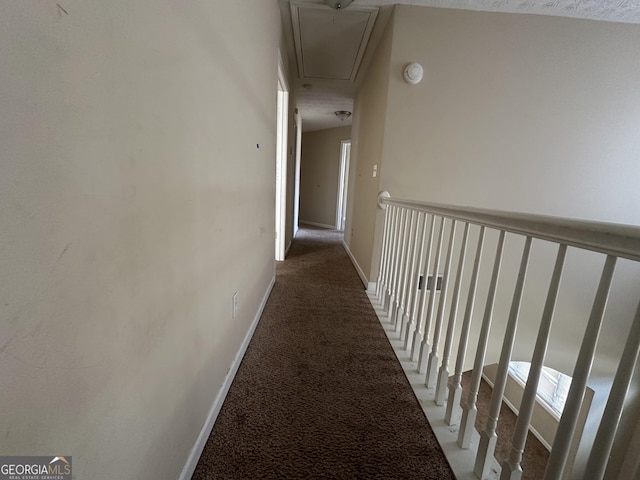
[281, 161]
[296, 181]
[343, 183]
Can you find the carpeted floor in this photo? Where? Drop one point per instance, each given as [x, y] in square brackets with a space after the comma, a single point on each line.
[535, 457]
[320, 393]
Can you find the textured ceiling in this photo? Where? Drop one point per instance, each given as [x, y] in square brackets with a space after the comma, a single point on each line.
[318, 99]
[627, 11]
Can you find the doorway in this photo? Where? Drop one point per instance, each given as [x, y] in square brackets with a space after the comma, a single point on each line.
[296, 180]
[281, 161]
[343, 183]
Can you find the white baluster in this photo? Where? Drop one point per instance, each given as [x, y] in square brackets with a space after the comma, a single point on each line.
[470, 408]
[566, 428]
[424, 345]
[406, 266]
[511, 468]
[383, 251]
[432, 364]
[391, 249]
[443, 375]
[400, 267]
[603, 443]
[417, 335]
[395, 266]
[411, 278]
[408, 337]
[488, 437]
[392, 252]
[455, 389]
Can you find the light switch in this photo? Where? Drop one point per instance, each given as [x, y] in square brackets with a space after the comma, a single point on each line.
[375, 170]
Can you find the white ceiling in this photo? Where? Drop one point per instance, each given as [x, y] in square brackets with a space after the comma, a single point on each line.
[329, 47]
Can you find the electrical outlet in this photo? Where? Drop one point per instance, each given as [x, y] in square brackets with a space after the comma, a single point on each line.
[235, 305]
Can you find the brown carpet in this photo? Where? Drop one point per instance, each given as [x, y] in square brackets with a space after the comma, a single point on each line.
[319, 393]
[536, 455]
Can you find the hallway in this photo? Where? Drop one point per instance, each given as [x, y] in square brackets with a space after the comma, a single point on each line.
[319, 388]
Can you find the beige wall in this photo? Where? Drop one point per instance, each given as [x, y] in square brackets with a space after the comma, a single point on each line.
[516, 112]
[524, 113]
[537, 117]
[133, 203]
[368, 128]
[319, 174]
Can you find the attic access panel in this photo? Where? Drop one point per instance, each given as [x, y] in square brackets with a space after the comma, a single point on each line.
[330, 43]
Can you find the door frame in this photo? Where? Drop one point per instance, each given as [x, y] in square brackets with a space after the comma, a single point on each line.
[343, 184]
[281, 161]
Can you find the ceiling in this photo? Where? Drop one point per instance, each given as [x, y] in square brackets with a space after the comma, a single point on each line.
[329, 47]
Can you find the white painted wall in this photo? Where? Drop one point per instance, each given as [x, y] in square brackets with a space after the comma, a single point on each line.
[134, 202]
[319, 174]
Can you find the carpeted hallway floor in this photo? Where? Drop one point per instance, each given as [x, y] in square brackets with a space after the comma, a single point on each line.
[319, 390]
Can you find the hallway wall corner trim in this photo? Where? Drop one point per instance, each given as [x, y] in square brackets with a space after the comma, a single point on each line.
[363, 277]
[201, 441]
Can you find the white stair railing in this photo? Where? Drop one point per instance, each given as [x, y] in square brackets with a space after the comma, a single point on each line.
[408, 287]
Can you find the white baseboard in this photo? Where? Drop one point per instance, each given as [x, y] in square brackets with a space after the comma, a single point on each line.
[363, 277]
[316, 224]
[201, 441]
[372, 287]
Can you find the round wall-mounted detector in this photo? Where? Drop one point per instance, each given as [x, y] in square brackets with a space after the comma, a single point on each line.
[413, 73]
